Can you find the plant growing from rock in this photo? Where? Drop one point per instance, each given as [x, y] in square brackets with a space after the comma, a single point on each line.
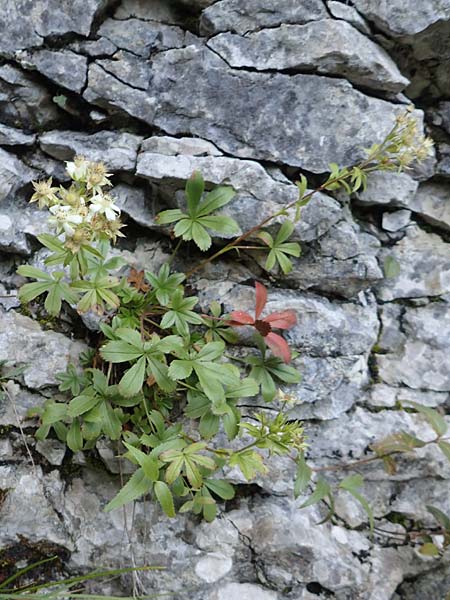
[164, 382]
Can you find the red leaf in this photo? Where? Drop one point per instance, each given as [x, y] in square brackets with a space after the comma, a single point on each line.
[278, 346]
[282, 320]
[239, 317]
[261, 298]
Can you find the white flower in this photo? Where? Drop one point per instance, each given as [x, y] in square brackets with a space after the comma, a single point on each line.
[78, 169]
[63, 218]
[105, 206]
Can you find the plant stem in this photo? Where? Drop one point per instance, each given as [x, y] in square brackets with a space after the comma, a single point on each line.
[366, 165]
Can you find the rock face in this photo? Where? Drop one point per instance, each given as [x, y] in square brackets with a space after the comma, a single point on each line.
[252, 93]
[170, 106]
[327, 47]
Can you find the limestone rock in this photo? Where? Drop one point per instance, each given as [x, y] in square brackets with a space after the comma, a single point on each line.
[348, 13]
[24, 102]
[241, 17]
[10, 136]
[343, 261]
[394, 221]
[117, 150]
[142, 38]
[136, 203]
[420, 361]
[432, 202]
[424, 269]
[43, 352]
[158, 10]
[24, 26]
[325, 47]
[403, 17]
[63, 67]
[177, 107]
[13, 174]
[388, 188]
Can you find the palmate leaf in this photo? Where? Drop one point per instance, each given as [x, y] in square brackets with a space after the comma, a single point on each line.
[165, 283]
[195, 223]
[57, 289]
[279, 248]
[267, 370]
[138, 485]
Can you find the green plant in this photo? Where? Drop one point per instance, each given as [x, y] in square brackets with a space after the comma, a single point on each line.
[159, 357]
[71, 587]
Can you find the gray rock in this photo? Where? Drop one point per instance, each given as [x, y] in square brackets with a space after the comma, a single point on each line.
[403, 17]
[15, 404]
[342, 262]
[63, 67]
[440, 115]
[52, 450]
[136, 203]
[348, 13]
[388, 188]
[174, 109]
[325, 47]
[421, 361]
[128, 69]
[43, 352]
[142, 38]
[158, 10]
[25, 26]
[395, 221]
[10, 136]
[117, 150]
[24, 103]
[424, 269]
[432, 202]
[241, 17]
[386, 396]
[13, 174]
[98, 48]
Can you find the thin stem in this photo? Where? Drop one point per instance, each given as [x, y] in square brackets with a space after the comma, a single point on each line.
[364, 165]
[174, 253]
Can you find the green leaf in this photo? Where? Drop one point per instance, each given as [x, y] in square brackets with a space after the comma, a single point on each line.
[34, 273]
[111, 424]
[285, 232]
[429, 549]
[169, 216]
[201, 237]
[215, 199]
[137, 486]
[391, 267]
[220, 224]
[165, 498]
[302, 477]
[53, 412]
[131, 383]
[322, 490]
[221, 488]
[82, 404]
[195, 186]
[74, 437]
[436, 421]
[440, 517]
[250, 463]
[445, 449]
[149, 465]
[209, 426]
[120, 351]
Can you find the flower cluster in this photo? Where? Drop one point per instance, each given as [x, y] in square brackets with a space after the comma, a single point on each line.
[84, 212]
